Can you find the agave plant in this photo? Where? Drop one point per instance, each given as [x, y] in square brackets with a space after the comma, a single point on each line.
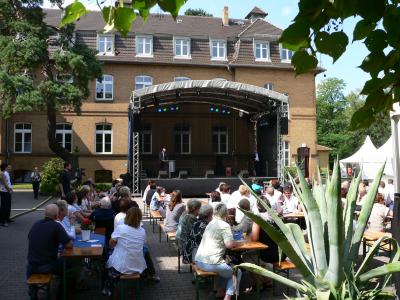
[329, 269]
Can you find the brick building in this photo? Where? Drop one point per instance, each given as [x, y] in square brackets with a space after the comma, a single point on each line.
[196, 135]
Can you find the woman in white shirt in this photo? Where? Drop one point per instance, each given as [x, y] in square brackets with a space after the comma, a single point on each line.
[378, 214]
[127, 240]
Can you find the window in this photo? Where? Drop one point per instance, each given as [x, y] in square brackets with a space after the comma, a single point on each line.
[104, 138]
[286, 110]
[261, 50]
[286, 54]
[182, 47]
[286, 153]
[220, 140]
[104, 88]
[218, 49]
[64, 78]
[64, 136]
[105, 44]
[143, 81]
[182, 139]
[269, 86]
[182, 78]
[23, 138]
[144, 46]
[146, 140]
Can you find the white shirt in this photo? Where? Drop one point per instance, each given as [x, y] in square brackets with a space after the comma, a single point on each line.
[119, 219]
[234, 203]
[386, 195]
[8, 182]
[225, 198]
[275, 198]
[72, 209]
[128, 257]
[290, 205]
[69, 229]
[85, 205]
[390, 191]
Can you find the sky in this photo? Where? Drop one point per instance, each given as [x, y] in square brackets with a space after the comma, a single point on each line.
[281, 13]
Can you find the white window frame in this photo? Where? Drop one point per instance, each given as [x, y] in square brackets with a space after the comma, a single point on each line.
[219, 133]
[181, 78]
[139, 78]
[181, 132]
[63, 132]
[286, 151]
[261, 43]
[212, 41]
[269, 86]
[143, 38]
[182, 56]
[22, 131]
[108, 38]
[103, 133]
[103, 83]
[142, 133]
[281, 50]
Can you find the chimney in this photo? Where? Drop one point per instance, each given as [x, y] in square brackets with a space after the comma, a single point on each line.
[225, 16]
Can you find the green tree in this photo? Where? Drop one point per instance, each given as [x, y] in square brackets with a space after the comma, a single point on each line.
[197, 12]
[318, 27]
[334, 112]
[42, 68]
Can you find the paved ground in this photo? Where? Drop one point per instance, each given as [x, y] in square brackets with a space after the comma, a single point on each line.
[13, 249]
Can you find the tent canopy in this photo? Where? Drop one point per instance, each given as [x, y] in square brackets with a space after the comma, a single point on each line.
[237, 95]
[366, 153]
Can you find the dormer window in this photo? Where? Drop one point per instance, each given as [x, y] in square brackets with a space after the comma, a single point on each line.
[144, 46]
[105, 44]
[218, 49]
[261, 50]
[182, 47]
[286, 54]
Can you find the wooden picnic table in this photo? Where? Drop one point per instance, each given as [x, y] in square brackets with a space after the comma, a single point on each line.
[293, 215]
[370, 237]
[82, 250]
[249, 245]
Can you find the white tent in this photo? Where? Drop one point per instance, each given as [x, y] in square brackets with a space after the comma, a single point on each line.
[367, 157]
[386, 152]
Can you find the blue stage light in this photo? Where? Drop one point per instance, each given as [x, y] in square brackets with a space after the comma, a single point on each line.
[159, 110]
[211, 109]
[223, 111]
[172, 108]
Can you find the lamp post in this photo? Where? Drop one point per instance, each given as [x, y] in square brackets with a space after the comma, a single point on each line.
[394, 118]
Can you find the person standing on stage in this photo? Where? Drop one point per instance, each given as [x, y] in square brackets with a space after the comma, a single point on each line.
[35, 178]
[162, 156]
[5, 193]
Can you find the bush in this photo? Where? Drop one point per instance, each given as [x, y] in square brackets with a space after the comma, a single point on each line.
[51, 175]
[103, 187]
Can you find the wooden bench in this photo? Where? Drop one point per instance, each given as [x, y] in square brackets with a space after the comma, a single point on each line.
[154, 217]
[124, 279]
[282, 267]
[199, 273]
[370, 237]
[170, 235]
[36, 281]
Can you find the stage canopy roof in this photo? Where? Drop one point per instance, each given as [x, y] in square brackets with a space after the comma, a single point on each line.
[249, 98]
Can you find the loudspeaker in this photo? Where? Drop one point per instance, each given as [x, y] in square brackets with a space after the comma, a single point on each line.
[136, 125]
[284, 126]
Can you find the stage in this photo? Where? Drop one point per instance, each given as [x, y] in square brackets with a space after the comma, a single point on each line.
[197, 187]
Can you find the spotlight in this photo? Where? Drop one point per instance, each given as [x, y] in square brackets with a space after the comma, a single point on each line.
[211, 109]
[165, 109]
[177, 108]
[159, 110]
[217, 109]
[223, 111]
[172, 108]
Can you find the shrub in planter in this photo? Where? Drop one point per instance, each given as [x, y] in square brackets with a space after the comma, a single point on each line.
[103, 187]
[329, 269]
[51, 175]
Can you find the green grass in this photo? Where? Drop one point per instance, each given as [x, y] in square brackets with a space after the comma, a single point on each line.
[22, 186]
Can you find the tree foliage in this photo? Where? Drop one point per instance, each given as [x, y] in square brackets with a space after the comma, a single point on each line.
[197, 12]
[318, 27]
[334, 112]
[35, 62]
[121, 16]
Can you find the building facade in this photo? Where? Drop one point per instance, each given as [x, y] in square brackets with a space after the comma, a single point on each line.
[166, 50]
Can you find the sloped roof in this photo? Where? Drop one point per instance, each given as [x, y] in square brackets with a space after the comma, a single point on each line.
[367, 153]
[323, 148]
[256, 11]
[165, 24]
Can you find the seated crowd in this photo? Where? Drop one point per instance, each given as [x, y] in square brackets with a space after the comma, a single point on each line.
[205, 232]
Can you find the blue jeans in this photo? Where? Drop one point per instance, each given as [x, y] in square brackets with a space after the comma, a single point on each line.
[225, 278]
